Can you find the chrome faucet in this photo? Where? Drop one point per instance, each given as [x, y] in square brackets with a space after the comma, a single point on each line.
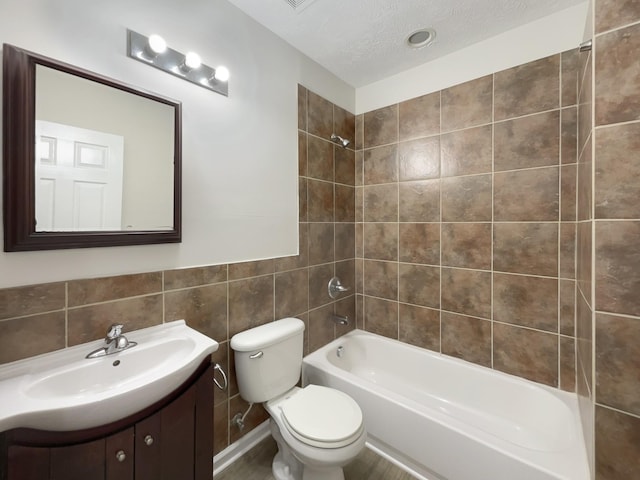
[114, 341]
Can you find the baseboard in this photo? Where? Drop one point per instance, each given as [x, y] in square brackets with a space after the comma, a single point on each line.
[234, 451]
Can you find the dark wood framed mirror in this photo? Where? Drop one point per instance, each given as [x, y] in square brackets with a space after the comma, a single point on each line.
[88, 161]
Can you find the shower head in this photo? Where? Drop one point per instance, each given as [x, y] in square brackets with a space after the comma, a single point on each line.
[343, 142]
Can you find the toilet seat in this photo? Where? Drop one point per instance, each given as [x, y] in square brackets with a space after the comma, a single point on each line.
[322, 417]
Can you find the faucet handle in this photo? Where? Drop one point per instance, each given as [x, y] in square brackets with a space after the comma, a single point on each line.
[335, 288]
[114, 331]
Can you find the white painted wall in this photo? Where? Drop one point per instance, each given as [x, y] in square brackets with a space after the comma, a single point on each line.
[547, 36]
[239, 153]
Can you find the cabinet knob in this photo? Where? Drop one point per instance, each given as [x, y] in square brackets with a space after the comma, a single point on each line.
[120, 456]
[148, 440]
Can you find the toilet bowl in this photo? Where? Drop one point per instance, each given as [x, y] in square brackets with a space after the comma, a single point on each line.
[322, 427]
[318, 429]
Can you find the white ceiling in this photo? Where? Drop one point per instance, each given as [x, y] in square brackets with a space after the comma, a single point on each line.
[362, 41]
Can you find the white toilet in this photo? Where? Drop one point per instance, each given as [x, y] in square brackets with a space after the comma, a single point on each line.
[318, 429]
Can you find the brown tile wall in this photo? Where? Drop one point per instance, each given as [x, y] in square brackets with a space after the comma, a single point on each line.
[615, 271]
[219, 300]
[466, 220]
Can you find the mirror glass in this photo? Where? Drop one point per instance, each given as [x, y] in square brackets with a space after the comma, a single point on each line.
[87, 161]
[104, 157]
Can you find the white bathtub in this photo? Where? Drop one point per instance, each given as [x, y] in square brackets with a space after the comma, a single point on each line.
[444, 418]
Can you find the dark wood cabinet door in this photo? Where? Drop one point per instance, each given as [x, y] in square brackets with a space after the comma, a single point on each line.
[78, 462]
[120, 456]
[204, 426]
[27, 462]
[177, 423]
[148, 455]
[110, 458]
[177, 442]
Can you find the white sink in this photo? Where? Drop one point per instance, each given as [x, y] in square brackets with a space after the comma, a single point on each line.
[63, 390]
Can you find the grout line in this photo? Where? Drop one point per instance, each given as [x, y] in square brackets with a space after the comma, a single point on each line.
[564, 335]
[273, 296]
[492, 122]
[575, 327]
[524, 327]
[533, 114]
[493, 169]
[362, 218]
[228, 319]
[398, 221]
[559, 239]
[613, 314]
[613, 220]
[500, 222]
[164, 299]
[30, 315]
[228, 350]
[597, 404]
[120, 299]
[592, 279]
[605, 32]
[440, 232]
[458, 130]
[618, 124]
[66, 314]
[306, 246]
[426, 179]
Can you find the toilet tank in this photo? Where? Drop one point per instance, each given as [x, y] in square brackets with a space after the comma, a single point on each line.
[268, 359]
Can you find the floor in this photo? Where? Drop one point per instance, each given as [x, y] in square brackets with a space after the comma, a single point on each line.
[256, 465]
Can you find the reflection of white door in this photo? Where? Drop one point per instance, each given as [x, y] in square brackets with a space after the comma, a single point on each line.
[78, 178]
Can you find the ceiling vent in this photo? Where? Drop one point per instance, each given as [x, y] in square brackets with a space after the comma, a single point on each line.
[299, 5]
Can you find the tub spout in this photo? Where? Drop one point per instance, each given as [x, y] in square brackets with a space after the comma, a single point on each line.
[340, 320]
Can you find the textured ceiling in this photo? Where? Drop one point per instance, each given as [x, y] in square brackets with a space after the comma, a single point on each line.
[362, 41]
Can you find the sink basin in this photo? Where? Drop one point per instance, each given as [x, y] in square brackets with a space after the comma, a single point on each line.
[64, 391]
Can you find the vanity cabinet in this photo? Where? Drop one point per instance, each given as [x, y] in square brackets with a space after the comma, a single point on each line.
[171, 440]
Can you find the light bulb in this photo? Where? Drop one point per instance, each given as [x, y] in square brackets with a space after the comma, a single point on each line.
[221, 74]
[192, 60]
[157, 44]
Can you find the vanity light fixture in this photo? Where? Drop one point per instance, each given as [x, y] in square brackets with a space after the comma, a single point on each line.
[153, 51]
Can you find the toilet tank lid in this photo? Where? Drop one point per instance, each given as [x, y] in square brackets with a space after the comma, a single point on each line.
[266, 335]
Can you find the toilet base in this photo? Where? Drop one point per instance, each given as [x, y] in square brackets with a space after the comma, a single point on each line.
[286, 466]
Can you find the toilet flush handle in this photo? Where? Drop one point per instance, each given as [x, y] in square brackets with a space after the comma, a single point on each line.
[256, 355]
